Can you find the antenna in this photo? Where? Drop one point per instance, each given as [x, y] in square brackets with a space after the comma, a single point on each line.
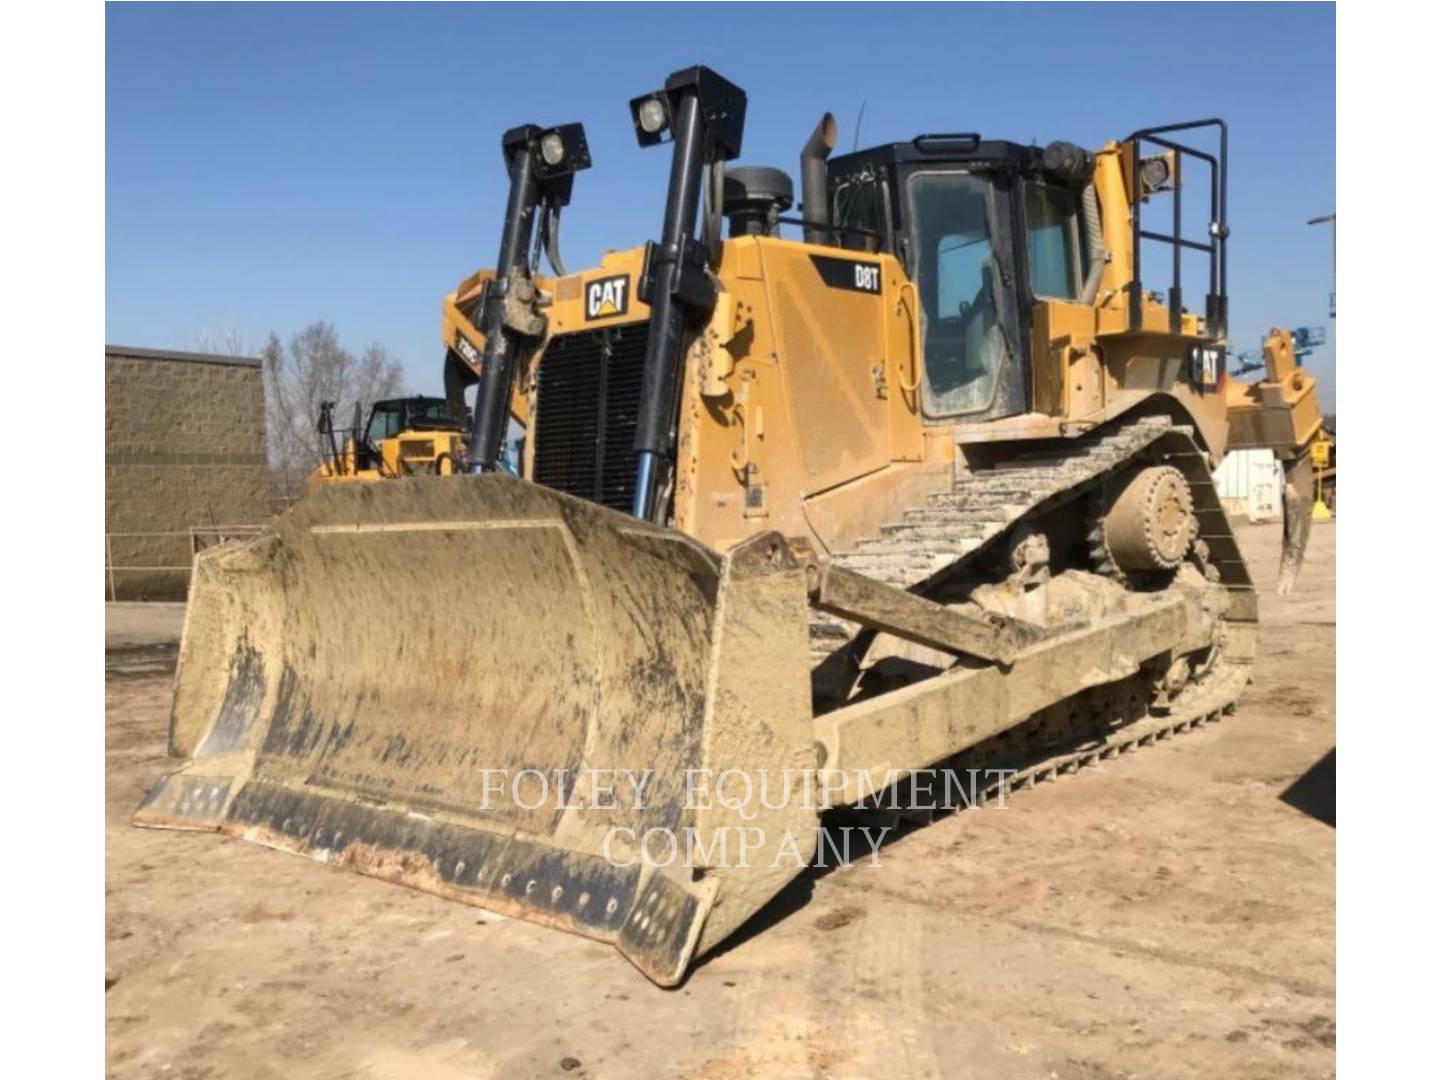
[856, 144]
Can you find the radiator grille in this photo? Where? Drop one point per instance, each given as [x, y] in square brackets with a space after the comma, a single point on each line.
[587, 407]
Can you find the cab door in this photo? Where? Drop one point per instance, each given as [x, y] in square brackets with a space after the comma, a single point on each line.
[961, 248]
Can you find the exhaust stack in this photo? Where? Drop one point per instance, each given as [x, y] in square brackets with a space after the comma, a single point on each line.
[813, 175]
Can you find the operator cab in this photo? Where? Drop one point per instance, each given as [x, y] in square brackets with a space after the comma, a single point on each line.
[954, 209]
[986, 229]
[390, 417]
[394, 416]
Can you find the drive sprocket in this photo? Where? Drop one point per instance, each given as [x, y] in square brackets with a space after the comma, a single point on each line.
[1147, 524]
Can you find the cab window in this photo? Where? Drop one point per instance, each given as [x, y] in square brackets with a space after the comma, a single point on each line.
[431, 412]
[959, 280]
[1052, 228]
[860, 209]
[385, 422]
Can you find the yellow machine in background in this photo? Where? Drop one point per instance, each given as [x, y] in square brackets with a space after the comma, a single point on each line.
[929, 488]
[1322, 460]
[414, 436]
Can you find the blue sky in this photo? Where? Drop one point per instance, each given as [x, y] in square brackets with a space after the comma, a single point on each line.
[268, 165]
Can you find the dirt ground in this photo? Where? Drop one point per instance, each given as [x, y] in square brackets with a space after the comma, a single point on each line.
[128, 624]
[1167, 914]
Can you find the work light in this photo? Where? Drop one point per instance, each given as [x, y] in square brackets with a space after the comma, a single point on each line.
[651, 115]
[561, 151]
[552, 149]
[1155, 172]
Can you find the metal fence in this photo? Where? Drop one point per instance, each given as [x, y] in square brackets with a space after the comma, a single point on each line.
[200, 538]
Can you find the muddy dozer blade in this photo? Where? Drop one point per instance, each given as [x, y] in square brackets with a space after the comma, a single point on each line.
[1297, 503]
[459, 683]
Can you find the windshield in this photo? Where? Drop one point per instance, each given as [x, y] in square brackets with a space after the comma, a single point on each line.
[957, 278]
[428, 412]
[385, 421]
[390, 418]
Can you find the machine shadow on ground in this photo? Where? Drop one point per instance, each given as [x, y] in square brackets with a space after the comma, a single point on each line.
[1314, 792]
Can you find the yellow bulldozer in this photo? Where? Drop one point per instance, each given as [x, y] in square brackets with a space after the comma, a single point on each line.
[413, 436]
[801, 521]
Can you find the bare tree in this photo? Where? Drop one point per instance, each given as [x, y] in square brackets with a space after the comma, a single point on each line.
[311, 369]
[228, 341]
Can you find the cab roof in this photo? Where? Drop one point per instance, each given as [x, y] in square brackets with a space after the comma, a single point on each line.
[965, 148]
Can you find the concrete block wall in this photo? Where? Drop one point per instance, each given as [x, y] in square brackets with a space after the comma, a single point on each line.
[184, 446]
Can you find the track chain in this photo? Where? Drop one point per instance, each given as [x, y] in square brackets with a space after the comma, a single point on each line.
[1205, 703]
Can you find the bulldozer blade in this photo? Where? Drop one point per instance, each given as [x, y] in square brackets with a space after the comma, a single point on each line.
[488, 690]
[1298, 500]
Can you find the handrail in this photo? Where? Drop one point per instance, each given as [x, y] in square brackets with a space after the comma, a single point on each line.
[1216, 303]
[194, 533]
[916, 344]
